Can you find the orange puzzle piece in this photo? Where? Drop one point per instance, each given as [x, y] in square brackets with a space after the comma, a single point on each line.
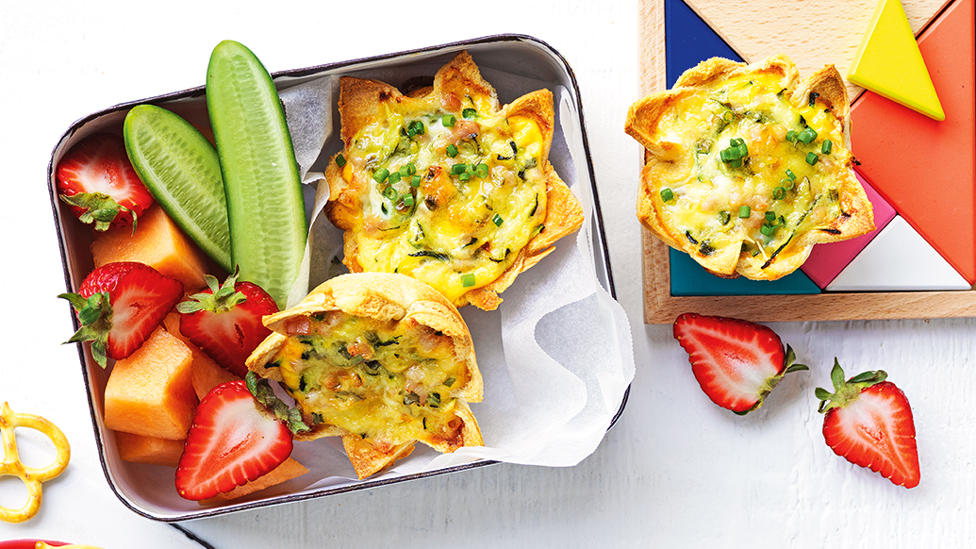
[924, 168]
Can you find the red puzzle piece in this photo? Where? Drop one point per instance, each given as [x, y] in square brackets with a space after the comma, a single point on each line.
[927, 169]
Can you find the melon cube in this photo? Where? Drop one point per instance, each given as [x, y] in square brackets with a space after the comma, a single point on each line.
[150, 393]
[206, 374]
[152, 450]
[157, 242]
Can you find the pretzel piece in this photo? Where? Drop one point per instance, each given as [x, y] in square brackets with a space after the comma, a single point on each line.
[45, 545]
[33, 477]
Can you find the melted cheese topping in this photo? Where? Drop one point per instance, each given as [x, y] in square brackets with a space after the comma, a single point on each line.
[461, 200]
[784, 194]
[390, 381]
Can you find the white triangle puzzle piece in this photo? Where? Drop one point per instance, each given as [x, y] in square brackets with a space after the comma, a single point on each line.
[898, 259]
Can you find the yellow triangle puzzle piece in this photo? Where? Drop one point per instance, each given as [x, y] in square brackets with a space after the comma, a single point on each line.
[889, 63]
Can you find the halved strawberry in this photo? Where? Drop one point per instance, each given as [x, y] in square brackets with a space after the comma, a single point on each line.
[225, 321]
[97, 180]
[119, 305]
[869, 422]
[234, 438]
[736, 362]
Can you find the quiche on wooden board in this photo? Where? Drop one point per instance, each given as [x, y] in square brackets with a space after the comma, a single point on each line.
[446, 185]
[747, 167]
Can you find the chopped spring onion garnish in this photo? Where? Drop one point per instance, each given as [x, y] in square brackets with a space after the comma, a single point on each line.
[791, 175]
[394, 178]
[812, 158]
[734, 154]
[497, 220]
[415, 182]
[779, 193]
[791, 136]
[744, 212]
[452, 150]
[481, 170]
[770, 216]
[340, 160]
[458, 169]
[469, 113]
[827, 146]
[807, 136]
[667, 195]
[416, 128]
[390, 193]
[467, 280]
[724, 217]
[407, 200]
[448, 120]
[380, 175]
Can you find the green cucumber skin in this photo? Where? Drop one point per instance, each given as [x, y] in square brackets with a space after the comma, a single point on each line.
[182, 171]
[262, 182]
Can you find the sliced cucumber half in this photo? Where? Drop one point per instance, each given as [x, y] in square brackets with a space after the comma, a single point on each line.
[181, 169]
[262, 182]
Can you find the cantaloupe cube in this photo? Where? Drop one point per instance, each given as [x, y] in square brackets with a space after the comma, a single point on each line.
[288, 470]
[152, 450]
[157, 242]
[150, 393]
[205, 373]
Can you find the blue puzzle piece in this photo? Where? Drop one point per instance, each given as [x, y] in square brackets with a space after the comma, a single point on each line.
[689, 278]
[689, 41]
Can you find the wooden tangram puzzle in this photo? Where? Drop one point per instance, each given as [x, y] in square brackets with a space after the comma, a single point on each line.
[919, 172]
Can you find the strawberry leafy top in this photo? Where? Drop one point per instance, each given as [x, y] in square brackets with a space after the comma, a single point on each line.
[846, 392]
[220, 299]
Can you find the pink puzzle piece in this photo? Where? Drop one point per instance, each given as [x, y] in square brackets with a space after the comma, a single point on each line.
[826, 261]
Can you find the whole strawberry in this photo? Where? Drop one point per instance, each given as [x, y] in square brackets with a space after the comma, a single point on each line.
[240, 431]
[869, 422]
[119, 305]
[736, 362]
[97, 180]
[225, 320]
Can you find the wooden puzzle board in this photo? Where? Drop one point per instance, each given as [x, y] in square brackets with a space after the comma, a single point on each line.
[812, 40]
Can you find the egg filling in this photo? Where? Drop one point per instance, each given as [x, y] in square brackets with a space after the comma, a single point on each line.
[762, 170]
[391, 381]
[450, 197]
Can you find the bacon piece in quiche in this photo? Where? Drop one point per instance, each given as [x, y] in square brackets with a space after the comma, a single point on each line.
[746, 167]
[447, 186]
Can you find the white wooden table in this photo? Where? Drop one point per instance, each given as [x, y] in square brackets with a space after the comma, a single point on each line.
[675, 471]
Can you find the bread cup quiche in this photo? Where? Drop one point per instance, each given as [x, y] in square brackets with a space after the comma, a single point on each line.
[447, 186]
[381, 360]
[747, 167]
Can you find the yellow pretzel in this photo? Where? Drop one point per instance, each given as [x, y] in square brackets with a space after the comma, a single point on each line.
[32, 476]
